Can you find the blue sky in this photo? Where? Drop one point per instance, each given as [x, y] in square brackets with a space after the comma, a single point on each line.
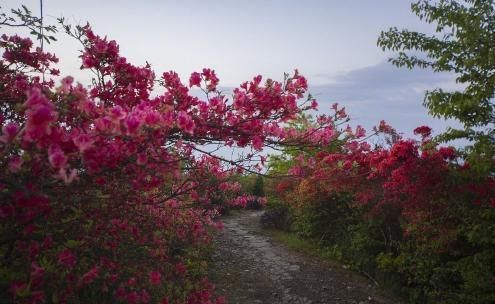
[332, 43]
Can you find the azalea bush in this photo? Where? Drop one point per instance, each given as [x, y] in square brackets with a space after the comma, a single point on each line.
[109, 190]
[405, 212]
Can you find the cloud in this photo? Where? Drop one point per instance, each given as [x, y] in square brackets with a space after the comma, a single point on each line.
[384, 91]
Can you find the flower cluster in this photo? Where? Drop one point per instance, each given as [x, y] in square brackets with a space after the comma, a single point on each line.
[419, 180]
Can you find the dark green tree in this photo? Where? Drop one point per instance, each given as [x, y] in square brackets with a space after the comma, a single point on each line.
[464, 44]
[258, 188]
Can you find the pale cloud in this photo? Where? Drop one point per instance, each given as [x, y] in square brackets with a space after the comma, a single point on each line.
[383, 91]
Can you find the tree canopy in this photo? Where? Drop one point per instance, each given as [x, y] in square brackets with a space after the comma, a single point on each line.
[464, 44]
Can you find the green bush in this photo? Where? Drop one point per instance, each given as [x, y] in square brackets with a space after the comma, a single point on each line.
[422, 271]
[277, 216]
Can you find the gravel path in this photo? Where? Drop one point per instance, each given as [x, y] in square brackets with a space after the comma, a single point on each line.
[249, 267]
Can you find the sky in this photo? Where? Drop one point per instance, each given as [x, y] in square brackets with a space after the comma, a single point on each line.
[331, 42]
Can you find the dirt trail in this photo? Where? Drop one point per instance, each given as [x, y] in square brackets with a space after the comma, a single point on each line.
[249, 267]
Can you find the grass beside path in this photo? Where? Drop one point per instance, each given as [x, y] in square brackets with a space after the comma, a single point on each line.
[295, 242]
[310, 247]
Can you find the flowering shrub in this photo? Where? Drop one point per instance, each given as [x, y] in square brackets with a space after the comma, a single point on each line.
[107, 191]
[410, 211]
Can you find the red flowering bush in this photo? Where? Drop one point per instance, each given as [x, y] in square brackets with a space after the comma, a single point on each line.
[409, 210]
[108, 191]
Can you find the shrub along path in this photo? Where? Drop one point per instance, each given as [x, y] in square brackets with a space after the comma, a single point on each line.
[250, 267]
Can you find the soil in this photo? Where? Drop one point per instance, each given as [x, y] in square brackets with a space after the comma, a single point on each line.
[250, 267]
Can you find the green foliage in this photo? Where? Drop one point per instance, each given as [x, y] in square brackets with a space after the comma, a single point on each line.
[279, 164]
[296, 242]
[465, 45]
[326, 219]
[22, 17]
[277, 216]
[258, 189]
[406, 267]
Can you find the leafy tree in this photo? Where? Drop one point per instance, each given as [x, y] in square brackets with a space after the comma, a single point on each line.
[279, 164]
[465, 45]
[24, 18]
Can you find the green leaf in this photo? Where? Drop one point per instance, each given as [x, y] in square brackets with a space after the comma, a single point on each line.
[71, 244]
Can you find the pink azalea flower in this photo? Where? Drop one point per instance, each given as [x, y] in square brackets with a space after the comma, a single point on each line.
[82, 142]
[15, 164]
[90, 276]
[195, 79]
[258, 143]
[180, 268]
[424, 131]
[57, 157]
[37, 272]
[66, 84]
[185, 122]
[314, 104]
[152, 118]
[9, 132]
[117, 113]
[66, 258]
[40, 113]
[155, 277]
[132, 123]
[360, 132]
